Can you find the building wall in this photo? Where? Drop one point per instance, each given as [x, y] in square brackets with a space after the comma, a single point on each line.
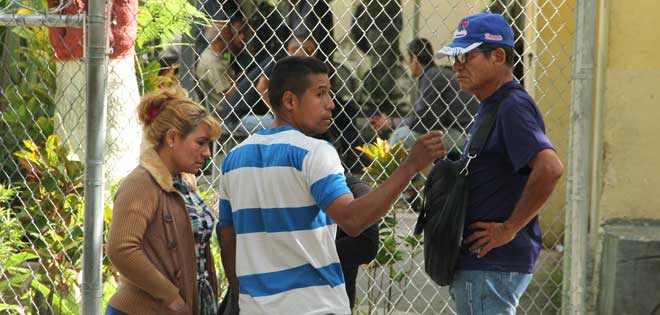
[631, 113]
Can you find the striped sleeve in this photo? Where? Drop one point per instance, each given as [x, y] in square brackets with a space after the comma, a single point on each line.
[325, 174]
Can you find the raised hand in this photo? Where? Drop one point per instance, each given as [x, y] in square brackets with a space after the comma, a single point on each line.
[426, 149]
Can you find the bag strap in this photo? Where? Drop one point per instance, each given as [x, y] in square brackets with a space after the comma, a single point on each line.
[478, 141]
[485, 128]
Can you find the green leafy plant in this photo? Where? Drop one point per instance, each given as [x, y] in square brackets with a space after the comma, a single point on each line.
[51, 216]
[159, 23]
[19, 270]
[385, 158]
[27, 108]
[387, 269]
[164, 20]
[10, 240]
[389, 254]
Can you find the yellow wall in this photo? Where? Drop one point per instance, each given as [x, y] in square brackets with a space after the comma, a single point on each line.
[548, 55]
[631, 146]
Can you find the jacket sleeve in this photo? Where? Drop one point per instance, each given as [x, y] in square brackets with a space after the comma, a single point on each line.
[354, 251]
[134, 209]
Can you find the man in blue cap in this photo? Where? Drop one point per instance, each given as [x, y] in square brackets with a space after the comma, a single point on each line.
[510, 179]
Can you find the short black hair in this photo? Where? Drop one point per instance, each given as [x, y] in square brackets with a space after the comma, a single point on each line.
[290, 74]
[510, 55]
[421, 49]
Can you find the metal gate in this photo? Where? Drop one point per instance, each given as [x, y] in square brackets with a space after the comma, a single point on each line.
[43, 114]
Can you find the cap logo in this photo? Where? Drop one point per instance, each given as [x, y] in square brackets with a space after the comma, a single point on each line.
[461, 31]
[489, 36]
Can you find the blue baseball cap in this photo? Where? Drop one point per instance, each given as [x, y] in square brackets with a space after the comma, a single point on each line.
[478, 29]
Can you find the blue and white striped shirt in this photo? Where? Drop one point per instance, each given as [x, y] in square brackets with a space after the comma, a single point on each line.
[274, 187]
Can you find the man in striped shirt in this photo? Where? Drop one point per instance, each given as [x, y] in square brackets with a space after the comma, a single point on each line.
[283, 193]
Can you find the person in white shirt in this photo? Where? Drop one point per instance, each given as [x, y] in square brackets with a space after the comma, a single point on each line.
[283, 194]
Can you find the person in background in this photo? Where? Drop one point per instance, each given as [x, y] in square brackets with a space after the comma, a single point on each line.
[440, 103]
[216, 70]
[161, 229]
[510, 179]
[359, 250]
[283, 194]
[311, 19]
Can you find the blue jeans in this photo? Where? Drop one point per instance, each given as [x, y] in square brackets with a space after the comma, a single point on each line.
[109, 310]
[488, 292]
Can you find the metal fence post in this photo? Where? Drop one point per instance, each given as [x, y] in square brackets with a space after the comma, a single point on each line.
[394, 283]
[577, 192]
[96, 121]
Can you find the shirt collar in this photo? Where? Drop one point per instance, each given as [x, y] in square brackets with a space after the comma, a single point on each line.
[499, 93]
[275, 130]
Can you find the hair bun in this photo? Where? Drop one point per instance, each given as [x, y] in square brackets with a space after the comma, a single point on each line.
[153, 103]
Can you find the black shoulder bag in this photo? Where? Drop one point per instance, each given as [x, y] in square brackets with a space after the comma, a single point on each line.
[442, 217]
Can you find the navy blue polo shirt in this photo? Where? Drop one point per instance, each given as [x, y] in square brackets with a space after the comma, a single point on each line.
[498, 176]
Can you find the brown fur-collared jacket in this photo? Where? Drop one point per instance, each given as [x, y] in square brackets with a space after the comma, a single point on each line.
[151, 243]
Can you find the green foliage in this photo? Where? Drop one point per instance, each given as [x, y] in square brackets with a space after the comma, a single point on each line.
[18, 263]
[385, 158]
[44, 265]
[153, 75]
[53, 194]
[35, 60]
[14, 274]
[27, 108]
[392, 256]
[163, 20]
[11, 239]
[41, 254]
[159, 23]
[388, 252]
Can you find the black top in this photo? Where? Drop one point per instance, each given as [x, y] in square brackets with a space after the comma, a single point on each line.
[355, 251]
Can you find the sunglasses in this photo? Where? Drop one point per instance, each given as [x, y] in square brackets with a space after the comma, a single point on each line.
[464, 58]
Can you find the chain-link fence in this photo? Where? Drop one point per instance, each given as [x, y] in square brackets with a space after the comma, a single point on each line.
[221, 51]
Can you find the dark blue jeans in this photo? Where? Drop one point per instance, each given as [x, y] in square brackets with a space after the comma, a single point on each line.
[109, 310]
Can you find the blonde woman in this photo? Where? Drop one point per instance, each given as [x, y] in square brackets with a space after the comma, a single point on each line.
[161, 229]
